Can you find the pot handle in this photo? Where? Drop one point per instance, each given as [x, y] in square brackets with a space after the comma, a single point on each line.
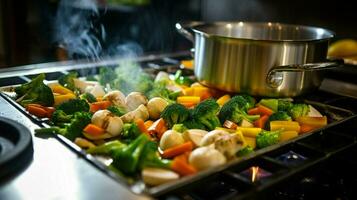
[184, 27]
[274, 78]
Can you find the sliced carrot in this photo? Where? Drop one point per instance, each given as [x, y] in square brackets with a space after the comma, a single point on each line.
[260, 123]
[253, 111]
[49, 110]
[148, 123]
[37, 111]
[141, 125]
[181, 166]
[304, 128]
[100, 105]
[94, 130]
[177, 150]
[265, 110]
[158, 128]
[230, 125]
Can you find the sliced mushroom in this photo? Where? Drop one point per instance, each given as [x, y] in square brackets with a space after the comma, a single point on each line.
[105, 119]
[157, 176]
[170, 139]
[135, 99]
[155, 106]
[228, 145]
[95, 90]
[116, 97]
[206, 157]
[141, 112]
[212, 136]
[194, 135]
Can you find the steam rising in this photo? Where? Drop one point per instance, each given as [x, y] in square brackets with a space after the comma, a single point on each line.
[79, 29]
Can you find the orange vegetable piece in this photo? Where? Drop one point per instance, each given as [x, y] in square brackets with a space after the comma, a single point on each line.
[94, 130]
[148, 123]
[177, 150]
[37, 111]
[260, 123]
[304, 128]
[181, 166]
[141, 125]
[100, 105]
[158, 128]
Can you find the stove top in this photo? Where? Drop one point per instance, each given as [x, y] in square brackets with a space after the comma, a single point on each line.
[60, 172]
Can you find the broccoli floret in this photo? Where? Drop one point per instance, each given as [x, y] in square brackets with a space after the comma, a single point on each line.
[267, 138]
[245, 151]
[193, 124]
[107, 148]
[299, 110]
[179, 128]
[175, 114]
[68, 80]
[106, 76]
[88, 97]
[250, 101]
[59, 116]
[117, 110]
[35, 92]
[73, 130]
[130, 131]
[73, 105]
[150, 157]
[206, 114]
[284, 105]
[235, 110]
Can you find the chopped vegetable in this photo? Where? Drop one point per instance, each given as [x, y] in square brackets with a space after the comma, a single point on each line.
[179, 128]
[88, 97]
[83, 143]
[194, 135]
[130, 131]
[299, 110]
[267, 138]
[245, 151]
[224, 99]
[180, 165]
[270, 103]
[100, 105]
[249, 132]
[73, 105]
[59, 99]
[260, 123]
[230, 125]
[175, 114]
[206, 114]
[68, 80]
[157, 176]
[206, 157]
[177, 150]
[141, 125]
[313, 121]
[117, 110]
[260, 110]
[188, 100]
[251, 142]
[37, 111]
[59, 89]
[158, 128]
[235, 110]
[151, 158]
[285, 125]
[171, 139]
[93, 130]
[287, 135]
[35, 92]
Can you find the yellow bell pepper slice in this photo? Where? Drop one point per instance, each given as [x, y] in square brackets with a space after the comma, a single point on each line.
[251, 141]
[57, 88]
[223, 99]
[63, 97]
[250, 132]
[285, 125]
[287, 135]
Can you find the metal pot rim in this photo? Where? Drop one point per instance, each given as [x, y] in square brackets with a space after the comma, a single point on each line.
[199, 28]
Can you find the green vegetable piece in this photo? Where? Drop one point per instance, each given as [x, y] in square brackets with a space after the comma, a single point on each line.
[270, 103]
[284, 105]
[73, 105]
[299, 110]
[236, 110]
[267, 138]
[179, 128]
[175, 114]
[245, 151]
[106, 75]
[206, 114]
[150, 157]
[130, 131]
[59, 116]
[127, 159]
[73, 130]
[107, 148]
[68, 80]
[88, 97]
[193, 124]
[35, 92]
[117, 110]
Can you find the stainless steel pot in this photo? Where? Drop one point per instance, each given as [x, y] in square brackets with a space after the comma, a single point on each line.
[261, 59]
